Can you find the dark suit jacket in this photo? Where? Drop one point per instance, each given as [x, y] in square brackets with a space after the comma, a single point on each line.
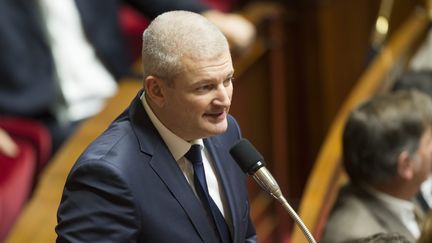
[357, 214]
[127, 187]
[27, 72]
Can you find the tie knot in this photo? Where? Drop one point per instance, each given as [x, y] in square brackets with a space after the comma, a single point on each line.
[194, 154]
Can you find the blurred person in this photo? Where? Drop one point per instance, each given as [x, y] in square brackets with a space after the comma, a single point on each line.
[420, 80]
[162, 171]
[414, 80]
[61, 59]
[387, 154]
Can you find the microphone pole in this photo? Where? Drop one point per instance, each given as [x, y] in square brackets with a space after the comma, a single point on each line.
[263, 177]
[252, 162]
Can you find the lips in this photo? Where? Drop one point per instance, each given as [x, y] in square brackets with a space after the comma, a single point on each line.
[216, 116]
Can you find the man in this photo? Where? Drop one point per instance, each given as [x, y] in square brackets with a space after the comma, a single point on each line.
[387, 153]
[420, 80]
[134, 183]
[61, 59]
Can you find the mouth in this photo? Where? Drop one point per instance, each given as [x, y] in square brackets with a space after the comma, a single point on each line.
[215, 116]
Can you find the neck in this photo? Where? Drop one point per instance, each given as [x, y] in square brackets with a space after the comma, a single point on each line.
[162, 118]
[397, 188]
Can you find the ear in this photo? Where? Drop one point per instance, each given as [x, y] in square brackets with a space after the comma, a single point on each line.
[405, 166]
[155, 90]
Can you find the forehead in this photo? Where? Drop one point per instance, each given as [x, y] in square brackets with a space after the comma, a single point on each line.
[217, 67]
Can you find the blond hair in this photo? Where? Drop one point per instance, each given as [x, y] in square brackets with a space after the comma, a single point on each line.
[174, 35]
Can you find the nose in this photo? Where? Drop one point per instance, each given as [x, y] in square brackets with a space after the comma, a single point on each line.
[223, 95]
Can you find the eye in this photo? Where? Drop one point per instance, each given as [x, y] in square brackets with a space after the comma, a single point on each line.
[206, 87]
[228, 81]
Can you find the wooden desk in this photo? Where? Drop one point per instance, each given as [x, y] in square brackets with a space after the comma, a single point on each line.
[37, 222]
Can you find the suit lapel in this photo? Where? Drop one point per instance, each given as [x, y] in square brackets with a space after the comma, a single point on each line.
[383, 215]
[168, 170]
[389, 220]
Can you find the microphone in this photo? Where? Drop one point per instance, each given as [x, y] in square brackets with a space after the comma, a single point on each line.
[252, 163]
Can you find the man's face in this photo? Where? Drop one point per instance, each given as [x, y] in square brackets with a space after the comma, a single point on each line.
[197, 104]
[424, 155]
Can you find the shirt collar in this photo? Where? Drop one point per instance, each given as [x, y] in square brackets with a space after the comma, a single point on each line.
[426, 190]
[176, 145]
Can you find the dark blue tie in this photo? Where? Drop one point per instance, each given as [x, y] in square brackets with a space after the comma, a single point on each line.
[221, 227]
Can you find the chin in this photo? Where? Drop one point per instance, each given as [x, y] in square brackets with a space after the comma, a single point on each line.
[216, 130]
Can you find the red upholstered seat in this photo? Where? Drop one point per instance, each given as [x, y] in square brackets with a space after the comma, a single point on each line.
[34, 133]
[18, 175]
[133, 23]
[16, 183]
[222, 5]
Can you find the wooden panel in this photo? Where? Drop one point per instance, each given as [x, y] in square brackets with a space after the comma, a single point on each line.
[260, 108]
[326, 52]
[327, 175]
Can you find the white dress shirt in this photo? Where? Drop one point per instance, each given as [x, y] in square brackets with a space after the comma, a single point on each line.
[83, 80]
[426, 190]
[178, 148]
[422, 59]
[403, 209]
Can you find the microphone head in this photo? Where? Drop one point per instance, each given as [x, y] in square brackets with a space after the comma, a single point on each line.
[247, 157]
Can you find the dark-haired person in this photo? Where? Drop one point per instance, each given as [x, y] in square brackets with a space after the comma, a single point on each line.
[420, 80]
[387, 153]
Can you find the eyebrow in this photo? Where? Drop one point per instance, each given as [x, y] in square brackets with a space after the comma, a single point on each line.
[228, 76]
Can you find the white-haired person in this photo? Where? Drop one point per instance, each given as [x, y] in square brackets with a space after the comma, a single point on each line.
[162, 171]
[62, 59]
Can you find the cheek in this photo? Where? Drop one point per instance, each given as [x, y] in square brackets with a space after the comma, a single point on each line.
[190, 112]
[428, 154]
[201, 105]
[230, 91]
[427, 160]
